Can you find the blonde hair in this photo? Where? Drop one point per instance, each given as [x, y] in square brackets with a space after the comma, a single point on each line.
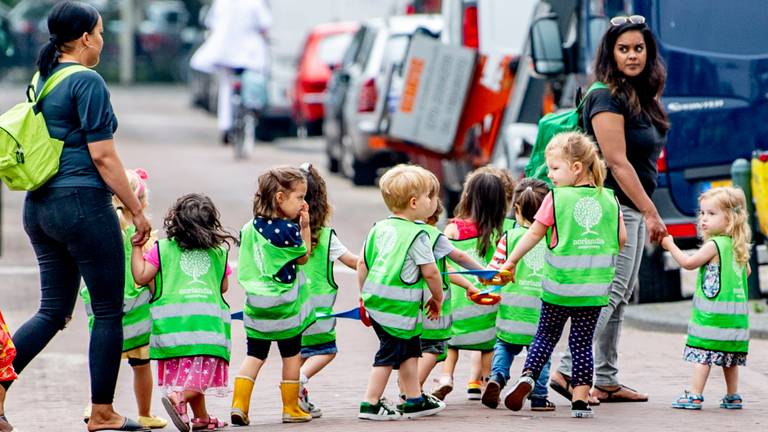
[403, 182]
[734, 204]
[139, 188]
[577, 147]
[278, 179]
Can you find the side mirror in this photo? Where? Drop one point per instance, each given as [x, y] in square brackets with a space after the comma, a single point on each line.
[597, 27]
[547, 46]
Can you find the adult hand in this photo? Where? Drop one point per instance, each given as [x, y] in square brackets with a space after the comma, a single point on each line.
[656, 228]
[143, 229]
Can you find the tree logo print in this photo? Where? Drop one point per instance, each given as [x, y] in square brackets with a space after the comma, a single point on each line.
[258, 258]
[534, 259]
[385, 241]
[195, 263]
[587, 213]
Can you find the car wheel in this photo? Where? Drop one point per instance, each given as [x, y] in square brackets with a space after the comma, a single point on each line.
[655, 283]
[264, 132]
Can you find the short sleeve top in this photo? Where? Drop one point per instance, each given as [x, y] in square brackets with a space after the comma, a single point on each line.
[644, 140]
[78, 111]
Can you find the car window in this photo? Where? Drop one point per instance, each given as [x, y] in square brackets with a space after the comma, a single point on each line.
[354, 47]
[394, 51]
[365, 49]
[744, 25]
[332, 47]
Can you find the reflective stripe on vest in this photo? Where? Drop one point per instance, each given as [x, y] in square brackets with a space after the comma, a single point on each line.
[143, 298]
[475, 338]
[516, 327]
[279, 325]
[171, 340]
[728, 308]
[391, 292]
[521, 301]
[322, 325]
[136, 330]
[473, 311]
[580, 261]
[441, 323]
[288, 297]
[576, 290]
[395, 321]
[718, 334]
[189, 309]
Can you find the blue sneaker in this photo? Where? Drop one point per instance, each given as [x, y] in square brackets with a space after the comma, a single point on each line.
[731, 401]
[688, 401]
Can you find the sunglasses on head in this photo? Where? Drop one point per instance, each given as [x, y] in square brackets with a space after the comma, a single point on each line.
[634, 19]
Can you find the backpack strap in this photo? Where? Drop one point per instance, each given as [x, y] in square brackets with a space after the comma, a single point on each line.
[597, 85]
[52, 81]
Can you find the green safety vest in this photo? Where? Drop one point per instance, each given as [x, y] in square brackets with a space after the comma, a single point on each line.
[520, 305]
[322, 289]
[439, 329]
[393, 303]
[137, 323]
[189, 314]
[509, 224]
[274, 310]
[721, 323]
[579, 269]
[474, 326]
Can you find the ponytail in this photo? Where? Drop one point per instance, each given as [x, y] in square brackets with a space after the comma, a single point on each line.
[67, 22]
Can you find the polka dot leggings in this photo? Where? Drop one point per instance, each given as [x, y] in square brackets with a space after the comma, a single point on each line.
[551, 324]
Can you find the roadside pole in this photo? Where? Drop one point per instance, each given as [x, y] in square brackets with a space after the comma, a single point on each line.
[741, 174]
[127, 48]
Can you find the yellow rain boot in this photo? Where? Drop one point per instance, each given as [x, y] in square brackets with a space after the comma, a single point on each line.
[292, 413]
[241, 400]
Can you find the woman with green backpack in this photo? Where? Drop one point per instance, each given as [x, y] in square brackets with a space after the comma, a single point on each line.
[70, 219]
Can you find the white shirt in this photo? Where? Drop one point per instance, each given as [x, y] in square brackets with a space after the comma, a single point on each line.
[236, 40]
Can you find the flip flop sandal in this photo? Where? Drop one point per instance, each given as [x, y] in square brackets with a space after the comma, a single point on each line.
[729, 401]
[128, 425]
[177, 411]
[212, 423]
[688, 401]
[612, 398]
[5, 426]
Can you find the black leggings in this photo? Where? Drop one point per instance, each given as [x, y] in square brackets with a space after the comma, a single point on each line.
[551, 324]
[259, 348]
[75, 232]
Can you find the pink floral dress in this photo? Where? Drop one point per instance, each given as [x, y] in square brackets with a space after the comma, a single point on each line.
[202, 374]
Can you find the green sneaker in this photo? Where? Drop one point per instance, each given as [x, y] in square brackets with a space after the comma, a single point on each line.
[381, 411]
[426, 407]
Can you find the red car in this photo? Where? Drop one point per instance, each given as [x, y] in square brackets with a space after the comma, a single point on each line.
[323, 50]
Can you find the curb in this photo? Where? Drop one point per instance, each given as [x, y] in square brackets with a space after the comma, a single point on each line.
[641, 317]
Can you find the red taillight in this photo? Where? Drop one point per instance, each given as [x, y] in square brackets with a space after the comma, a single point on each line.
[367, 100]
[410, 9]
[682, 230]
[661, 164]
[314, 86]
[469, 27]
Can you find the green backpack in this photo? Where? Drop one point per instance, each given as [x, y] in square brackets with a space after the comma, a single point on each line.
[549, 126]
[29, 157]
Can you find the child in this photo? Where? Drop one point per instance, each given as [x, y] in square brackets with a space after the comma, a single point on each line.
[187, 273]
[520, 306]
[584, 229]
[476, 230]
[398, 256]
[718, 333]
[272, 246]
[137, 323]
[7, 374]
[318, 342]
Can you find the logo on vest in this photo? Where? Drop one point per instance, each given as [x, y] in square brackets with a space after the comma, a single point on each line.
[587, 213]
[737, 269]
[195, 263]
[386, 236]
[534, 259]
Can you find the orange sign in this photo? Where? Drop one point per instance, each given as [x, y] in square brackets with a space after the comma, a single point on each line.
[411, 85]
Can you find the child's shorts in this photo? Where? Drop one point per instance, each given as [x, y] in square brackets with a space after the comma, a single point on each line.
[319, 349]
[393, 350]
[137, 356]
[432, 346]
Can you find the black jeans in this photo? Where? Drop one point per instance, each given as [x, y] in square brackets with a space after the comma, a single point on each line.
[75, 232]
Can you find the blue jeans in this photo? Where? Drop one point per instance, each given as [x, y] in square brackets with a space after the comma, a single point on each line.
[75, 233]
[503, 354]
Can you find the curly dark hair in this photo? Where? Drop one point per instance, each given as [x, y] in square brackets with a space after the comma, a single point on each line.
[317, 200]
[642, 92]
[193, 222]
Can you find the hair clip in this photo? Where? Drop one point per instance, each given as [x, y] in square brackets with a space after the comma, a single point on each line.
[142, 173]
[305, 167]
[528, 189]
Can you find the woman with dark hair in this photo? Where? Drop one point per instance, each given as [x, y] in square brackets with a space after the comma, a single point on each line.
[70, 220]
[630, 126]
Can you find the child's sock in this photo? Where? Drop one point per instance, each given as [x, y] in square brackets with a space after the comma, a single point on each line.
[303, 378]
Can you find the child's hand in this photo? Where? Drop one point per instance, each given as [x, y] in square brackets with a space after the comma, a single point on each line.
[304, 216]
[507, 272]
[667, 242]
[472, 291]
[433, 308]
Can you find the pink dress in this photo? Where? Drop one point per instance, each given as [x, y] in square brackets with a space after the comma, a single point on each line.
[202, 374]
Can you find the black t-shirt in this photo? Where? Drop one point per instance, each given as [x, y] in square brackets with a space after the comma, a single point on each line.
[644, 140]
[78, 111]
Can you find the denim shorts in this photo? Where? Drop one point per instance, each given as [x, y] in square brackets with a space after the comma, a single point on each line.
[319, 349]
[432, 346]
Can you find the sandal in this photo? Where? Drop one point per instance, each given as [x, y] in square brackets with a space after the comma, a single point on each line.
[689, 401]
[731, 401]
[542, 404]
[212, 423]
[176, 407]
[5, 426]
[612, 397]
[128, 425]
[567, 391]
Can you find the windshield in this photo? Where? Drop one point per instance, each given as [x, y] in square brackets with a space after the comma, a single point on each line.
[332, 48]
[715, 25]
[395, 50]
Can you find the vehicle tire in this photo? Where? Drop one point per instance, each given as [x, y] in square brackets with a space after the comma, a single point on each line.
[364, 173]
[655, 283]
[333, 163]
[264, 132]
